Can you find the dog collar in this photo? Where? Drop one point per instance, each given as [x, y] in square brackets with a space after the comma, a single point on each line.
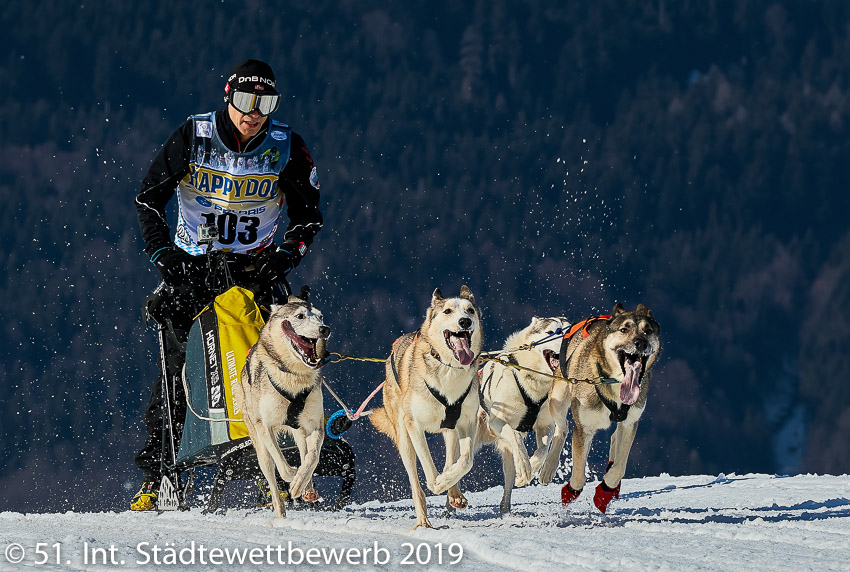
[603, 377]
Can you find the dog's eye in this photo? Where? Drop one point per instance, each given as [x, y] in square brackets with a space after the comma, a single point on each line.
[624, 330]
[472, 311]
[300, 316]
[447, 311]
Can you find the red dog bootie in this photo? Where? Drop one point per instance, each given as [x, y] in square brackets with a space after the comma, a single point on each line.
[568, 495]
[604, 495]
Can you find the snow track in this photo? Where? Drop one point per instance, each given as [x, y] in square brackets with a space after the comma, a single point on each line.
[747, 522]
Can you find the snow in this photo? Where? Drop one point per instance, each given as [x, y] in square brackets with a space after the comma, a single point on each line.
[727, 522]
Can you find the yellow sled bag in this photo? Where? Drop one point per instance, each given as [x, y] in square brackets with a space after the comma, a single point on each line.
[216, 352]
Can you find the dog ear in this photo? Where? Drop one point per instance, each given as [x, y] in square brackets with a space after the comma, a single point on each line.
[466, 293]
[274, 308]
[618, 309]
[436, 296]
[643, 311]
[305, 292]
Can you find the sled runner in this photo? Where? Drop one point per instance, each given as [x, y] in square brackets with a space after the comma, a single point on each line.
[213, 434]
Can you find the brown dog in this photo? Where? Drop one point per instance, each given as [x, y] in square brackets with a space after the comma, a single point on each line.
[620, 350]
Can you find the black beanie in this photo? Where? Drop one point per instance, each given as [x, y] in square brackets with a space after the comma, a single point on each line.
[252, 76]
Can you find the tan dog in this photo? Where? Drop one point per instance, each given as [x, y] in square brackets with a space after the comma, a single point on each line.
[621, 349]
[513, 400]
[431, 386]
[281, 388]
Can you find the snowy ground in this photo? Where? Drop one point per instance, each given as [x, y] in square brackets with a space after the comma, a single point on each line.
[747, 522]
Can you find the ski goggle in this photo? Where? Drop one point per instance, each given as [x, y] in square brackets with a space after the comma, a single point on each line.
[247, 102]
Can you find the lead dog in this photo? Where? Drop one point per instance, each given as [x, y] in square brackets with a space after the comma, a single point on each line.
[513, 400]
[280, 388]
[431, 386]
[620, 348]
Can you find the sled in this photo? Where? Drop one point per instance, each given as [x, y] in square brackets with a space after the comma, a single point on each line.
[213, 434]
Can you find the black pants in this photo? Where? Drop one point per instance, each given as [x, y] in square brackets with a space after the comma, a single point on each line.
[174, 309]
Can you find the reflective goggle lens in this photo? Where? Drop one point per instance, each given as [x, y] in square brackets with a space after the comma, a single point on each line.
[248, 102]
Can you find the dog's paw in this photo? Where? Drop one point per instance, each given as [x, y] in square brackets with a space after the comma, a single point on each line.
[455, 499]
[441, 484]
[569, 494]
[297, 486]
[547, 473]
[537, 461]
[310, 495]
[523, 480]
[604, 495]
[523, 474]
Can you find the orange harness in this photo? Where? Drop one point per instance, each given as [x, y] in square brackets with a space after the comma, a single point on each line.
[616, 414]
[584, 325]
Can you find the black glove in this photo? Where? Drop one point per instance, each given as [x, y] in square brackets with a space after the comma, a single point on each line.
[275, 262]
[176, 265]
[340, 425]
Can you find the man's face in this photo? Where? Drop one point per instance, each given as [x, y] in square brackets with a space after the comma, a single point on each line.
[248, 125]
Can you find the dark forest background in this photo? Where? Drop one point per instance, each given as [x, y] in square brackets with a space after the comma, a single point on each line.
[557, 157]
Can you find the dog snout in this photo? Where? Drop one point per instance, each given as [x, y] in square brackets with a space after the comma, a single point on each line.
[324, 331]
[641, 344]
[465, 323]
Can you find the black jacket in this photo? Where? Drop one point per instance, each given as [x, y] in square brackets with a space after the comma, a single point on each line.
[172, 164]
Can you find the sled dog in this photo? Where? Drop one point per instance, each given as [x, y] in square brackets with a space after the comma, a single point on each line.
[514, 401]
[431, 386]
[280, 388]
[621, 349]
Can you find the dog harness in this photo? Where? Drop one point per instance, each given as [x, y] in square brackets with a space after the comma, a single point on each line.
[452, 409]
[584, 325]
[618, 414]
[402, 342]
[296, 403]
[532, 408]
[584, 328]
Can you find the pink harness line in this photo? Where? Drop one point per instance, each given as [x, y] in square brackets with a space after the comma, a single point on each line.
[366, 402]
[359, 412]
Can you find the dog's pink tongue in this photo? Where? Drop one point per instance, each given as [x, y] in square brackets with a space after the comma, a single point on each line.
[630, 388]
[292, 335]
[462, 352]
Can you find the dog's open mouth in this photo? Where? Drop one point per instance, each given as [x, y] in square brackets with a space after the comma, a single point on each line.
[553, 360]
[459, 343]
[633, 366]
[304, 347]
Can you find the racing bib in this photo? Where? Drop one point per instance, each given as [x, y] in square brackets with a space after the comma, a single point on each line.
[235, 192]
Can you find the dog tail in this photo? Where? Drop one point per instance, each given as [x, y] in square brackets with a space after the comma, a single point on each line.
[380, 418]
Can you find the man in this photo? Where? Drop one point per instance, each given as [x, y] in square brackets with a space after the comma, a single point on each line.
[233, 171]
